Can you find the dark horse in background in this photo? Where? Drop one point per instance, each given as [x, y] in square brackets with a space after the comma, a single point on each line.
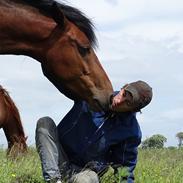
[11, 124]
[62, 39]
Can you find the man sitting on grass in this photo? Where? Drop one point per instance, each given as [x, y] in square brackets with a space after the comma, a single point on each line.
[86, 142]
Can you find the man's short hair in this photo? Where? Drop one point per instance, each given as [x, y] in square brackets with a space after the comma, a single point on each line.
[141, 93]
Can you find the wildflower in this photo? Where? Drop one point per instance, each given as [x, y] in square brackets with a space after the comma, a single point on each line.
[13, 175]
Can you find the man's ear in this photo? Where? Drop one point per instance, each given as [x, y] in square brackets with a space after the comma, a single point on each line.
[58, 15]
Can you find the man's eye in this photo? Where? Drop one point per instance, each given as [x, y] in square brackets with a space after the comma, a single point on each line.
[83, 50]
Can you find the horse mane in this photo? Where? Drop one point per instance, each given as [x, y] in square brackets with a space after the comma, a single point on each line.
[72, 14]
[11, 105]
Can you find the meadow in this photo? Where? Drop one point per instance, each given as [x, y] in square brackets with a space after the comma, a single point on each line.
[154, 166]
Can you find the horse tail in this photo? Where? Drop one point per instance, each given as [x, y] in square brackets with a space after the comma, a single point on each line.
[12, 107]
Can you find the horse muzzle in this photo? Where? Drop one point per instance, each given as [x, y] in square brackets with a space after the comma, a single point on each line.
[101, 102]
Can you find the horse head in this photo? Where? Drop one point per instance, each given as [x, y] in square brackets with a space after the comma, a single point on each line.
[16, 146]
[73, 64]
[62, 39]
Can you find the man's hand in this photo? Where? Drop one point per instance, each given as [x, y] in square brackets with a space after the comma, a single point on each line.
[96, 166]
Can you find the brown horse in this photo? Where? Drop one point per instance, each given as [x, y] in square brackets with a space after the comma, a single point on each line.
[61, 38]
[11, 124]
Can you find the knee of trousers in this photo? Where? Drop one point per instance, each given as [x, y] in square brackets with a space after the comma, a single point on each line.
[86, 176]
[45, 124]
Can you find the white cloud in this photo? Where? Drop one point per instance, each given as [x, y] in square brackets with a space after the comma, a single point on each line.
[104, 13]
[156, 30]
[174, 115]
[113, 2]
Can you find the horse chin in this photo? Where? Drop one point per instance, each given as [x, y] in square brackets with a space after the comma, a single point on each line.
[96, 106]
[101, 102]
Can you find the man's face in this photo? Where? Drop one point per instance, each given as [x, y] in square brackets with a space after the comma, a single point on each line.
[122, 102]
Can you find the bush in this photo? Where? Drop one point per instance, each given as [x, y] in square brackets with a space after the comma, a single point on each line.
[156, 141]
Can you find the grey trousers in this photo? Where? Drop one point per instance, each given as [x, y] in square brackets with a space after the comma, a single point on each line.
[53, 158]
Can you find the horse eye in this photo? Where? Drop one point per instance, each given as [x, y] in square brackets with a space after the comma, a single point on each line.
[83, 50]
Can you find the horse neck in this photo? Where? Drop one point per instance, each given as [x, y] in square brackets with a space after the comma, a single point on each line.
[12, 126]
[23, 29]
[15, 137]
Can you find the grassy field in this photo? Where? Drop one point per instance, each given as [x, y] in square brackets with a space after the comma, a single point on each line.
[160, 166]
[154, 166]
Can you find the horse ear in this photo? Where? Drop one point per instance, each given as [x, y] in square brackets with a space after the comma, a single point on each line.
[58, 15]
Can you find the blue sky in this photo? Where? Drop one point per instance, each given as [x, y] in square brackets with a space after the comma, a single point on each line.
[137, 40]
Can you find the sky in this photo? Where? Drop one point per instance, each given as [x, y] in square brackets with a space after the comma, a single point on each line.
[138, 40]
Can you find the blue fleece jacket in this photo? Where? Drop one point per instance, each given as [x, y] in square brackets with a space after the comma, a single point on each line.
[98, 136]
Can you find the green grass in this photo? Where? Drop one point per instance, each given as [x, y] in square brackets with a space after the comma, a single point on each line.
[160, 166]
[25, 169]
[154, 166]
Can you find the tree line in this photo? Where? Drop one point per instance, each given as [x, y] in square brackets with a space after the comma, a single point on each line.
[158, 141]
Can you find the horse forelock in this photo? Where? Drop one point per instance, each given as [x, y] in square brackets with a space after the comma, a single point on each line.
[72, 14]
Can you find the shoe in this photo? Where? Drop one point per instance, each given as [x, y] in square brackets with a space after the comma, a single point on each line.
[58, 181]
